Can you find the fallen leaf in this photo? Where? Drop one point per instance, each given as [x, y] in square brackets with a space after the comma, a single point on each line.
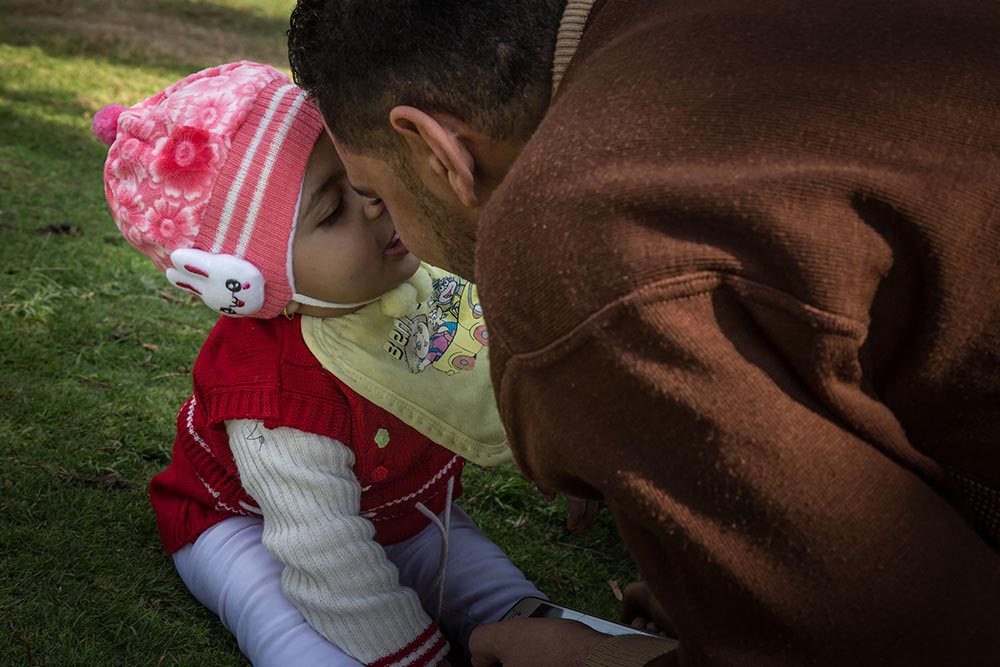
[615, 589]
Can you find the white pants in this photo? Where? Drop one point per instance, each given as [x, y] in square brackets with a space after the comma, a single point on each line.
[230, 572]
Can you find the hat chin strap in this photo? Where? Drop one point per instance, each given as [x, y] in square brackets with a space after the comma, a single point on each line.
[309, 301]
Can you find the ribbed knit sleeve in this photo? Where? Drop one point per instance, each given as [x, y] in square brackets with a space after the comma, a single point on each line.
[335, 573]
[631, 651]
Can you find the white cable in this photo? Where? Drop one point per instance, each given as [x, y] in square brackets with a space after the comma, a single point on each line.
[443, 529]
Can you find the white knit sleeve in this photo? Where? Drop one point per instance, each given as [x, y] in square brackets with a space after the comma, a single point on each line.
[335, 573]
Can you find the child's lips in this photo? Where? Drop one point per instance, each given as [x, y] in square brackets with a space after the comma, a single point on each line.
[396, 247]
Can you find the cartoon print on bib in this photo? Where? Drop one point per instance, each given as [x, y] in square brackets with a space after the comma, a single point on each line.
[406, 352]
[446, 333]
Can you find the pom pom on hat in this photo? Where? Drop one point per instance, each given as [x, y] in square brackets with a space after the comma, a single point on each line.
[106, 123]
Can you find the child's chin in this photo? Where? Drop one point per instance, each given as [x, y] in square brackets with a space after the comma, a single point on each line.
[408, 265]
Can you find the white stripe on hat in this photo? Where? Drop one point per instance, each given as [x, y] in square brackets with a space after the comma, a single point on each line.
[240, 178]
[272, 155]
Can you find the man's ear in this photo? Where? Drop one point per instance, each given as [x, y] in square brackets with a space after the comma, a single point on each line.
[446, 153]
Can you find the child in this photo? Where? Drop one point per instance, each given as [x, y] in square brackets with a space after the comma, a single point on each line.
[228, 183]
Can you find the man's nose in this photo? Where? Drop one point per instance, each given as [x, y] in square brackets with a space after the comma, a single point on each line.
[374, 210]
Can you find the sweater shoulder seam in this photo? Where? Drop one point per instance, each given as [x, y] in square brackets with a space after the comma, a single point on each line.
[690, 286]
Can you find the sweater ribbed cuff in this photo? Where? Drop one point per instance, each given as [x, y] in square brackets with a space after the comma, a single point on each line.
[627, 651]
[429, 648]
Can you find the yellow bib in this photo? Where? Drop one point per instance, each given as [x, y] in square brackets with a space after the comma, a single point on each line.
[420, 354]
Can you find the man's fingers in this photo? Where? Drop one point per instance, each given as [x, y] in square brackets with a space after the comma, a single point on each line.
[639, 604]
[635, 603]
[593, 509]
[548, 494]
[582, 514]
[639, 623]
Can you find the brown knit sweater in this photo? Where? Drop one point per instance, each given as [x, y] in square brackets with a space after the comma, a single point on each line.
[744, 285]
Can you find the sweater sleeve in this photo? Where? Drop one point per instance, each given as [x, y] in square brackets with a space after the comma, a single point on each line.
[769, 525]
[335, 573]
[631, 651]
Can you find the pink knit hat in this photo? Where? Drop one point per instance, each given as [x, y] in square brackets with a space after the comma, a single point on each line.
[205, 177]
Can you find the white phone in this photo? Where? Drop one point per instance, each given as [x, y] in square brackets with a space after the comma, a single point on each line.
[532, 607]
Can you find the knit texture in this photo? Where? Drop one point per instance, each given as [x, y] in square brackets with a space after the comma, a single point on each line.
[262, 370]
[764, 240]
[568, 38]
[335, 573]
[630, 651]
[204, 178]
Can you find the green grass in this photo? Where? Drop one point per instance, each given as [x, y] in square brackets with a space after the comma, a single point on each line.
[96, 347]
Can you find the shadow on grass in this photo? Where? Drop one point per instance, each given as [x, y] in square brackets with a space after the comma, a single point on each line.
[167, 34]
[30, 140]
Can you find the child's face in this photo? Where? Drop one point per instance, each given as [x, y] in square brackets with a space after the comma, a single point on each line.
[345, 248]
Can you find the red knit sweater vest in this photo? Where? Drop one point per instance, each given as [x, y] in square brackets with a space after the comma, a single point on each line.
[262, 369]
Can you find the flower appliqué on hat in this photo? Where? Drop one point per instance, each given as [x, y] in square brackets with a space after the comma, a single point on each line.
[171, 223]
[185, 163]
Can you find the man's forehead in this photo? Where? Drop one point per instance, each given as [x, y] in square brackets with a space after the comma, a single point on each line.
[362, 180]
[342, 149]
[364, 172]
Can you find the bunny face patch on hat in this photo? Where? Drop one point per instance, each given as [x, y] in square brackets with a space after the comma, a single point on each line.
[225, 283]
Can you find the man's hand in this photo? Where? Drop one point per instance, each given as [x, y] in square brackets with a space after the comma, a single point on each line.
[642, 611]
[582, 513]
[533, 642]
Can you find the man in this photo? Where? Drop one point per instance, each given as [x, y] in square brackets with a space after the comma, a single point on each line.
[740, 261]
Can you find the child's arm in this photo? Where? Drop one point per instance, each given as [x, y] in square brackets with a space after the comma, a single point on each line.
[335, 573]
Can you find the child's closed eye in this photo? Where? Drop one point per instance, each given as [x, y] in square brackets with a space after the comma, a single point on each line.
[333, 215]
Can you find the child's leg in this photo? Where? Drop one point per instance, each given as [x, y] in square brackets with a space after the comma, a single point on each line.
[229, 571]
[481, 583]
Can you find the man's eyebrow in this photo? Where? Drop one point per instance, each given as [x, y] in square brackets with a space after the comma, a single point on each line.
[363, 193]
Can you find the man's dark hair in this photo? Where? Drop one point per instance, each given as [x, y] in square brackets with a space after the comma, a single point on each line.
[487, 62]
